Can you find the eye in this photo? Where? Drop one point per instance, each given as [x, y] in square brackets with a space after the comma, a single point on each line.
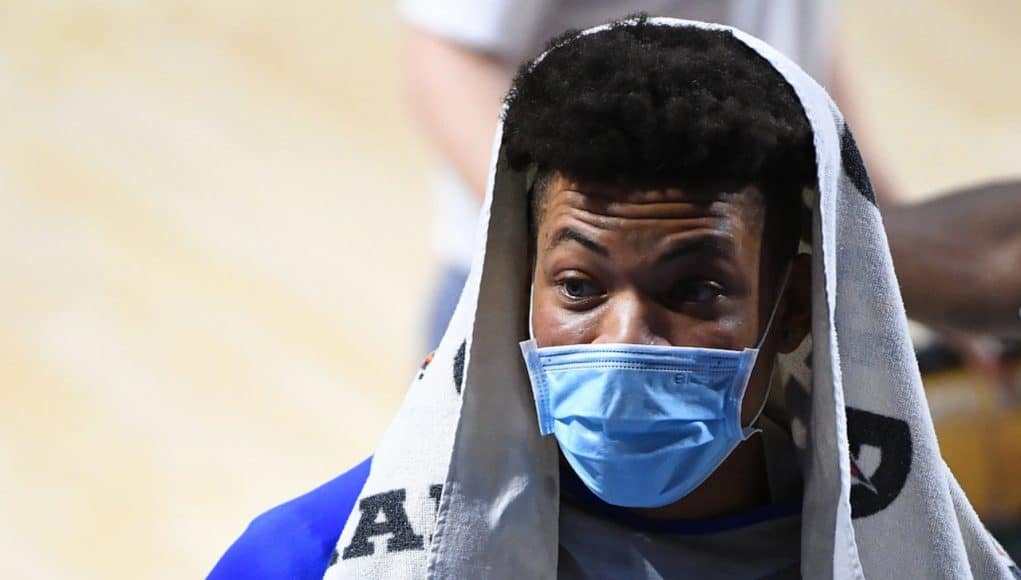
[697, 291]
[579, 288]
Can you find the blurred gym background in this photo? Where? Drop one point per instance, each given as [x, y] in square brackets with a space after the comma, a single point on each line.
[215, 264]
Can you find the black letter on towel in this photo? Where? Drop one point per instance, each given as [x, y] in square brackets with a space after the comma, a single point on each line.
[395, 522]
[435, 492]
[854, 167]
[872, 492]
[459, 367]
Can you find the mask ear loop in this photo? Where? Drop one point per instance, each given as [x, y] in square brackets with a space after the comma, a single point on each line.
[776, 307]
[751, 429]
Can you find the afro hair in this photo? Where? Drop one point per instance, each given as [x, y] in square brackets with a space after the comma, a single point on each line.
[643, 105]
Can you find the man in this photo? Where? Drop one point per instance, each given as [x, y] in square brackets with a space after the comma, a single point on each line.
[719, 382]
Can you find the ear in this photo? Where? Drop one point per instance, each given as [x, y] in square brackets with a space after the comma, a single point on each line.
[796, 317]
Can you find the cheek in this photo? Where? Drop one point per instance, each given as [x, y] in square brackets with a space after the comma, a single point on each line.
[732, 326]
[731, 331]
[707, 336]
[555, 326]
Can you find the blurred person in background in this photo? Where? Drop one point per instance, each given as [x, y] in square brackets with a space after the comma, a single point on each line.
[459, 57]
[958, 258]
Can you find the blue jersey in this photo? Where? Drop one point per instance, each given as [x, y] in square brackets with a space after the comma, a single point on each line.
[294, 540]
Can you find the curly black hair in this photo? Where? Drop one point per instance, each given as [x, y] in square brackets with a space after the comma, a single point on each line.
[646, 105]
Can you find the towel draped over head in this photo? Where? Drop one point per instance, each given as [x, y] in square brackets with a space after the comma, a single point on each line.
[463, 486]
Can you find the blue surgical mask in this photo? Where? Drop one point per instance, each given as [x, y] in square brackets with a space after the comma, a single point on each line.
[641, 425]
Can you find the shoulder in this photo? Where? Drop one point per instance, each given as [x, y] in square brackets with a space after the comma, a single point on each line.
[294, 539]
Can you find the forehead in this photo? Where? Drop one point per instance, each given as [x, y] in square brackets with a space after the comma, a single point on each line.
[648, 208]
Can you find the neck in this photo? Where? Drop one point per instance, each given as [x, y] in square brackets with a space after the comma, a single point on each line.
[739, 484]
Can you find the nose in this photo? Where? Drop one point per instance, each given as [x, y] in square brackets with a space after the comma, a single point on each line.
[630, 319]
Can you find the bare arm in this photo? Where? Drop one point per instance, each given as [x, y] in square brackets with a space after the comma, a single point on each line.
[958, 258]
[455, 93]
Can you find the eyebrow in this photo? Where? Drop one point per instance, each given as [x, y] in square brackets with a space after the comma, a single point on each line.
[568, 234]
[705, 243]
[714, 244]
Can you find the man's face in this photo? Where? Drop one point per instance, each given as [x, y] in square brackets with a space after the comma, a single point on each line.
[666, 267]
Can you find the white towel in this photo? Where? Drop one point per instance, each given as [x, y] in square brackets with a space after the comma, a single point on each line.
[463, 486]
